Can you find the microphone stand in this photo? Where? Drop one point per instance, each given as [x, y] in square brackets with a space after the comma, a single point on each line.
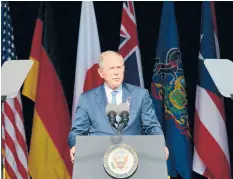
[118, 128]
[114, 123]
[123, 122]
[112, 119]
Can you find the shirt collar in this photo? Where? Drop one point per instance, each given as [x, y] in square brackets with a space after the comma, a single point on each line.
[109, 90]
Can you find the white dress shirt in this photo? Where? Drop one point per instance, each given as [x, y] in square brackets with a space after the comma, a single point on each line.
[109, 94]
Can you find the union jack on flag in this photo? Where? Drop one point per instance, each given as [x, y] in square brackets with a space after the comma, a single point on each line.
[129, 48]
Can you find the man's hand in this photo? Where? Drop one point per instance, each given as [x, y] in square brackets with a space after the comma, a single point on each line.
[72, 152]
[166, 152]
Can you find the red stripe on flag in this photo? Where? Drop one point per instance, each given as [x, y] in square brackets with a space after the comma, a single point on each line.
[132, 30]
[214, 17]
[131, 8]
[209, 151]
[218, 102]
[9, 170]
[11, 116]
[11, 145]
[18, 108]
[3, 131]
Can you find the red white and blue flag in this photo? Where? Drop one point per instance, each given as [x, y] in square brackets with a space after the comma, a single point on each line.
[129, 47]
[211, 154]
[14, 147]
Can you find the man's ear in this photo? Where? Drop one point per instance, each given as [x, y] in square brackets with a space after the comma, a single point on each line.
[100, 71]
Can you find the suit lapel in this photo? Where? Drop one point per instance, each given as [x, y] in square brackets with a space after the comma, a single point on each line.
[125, 93]
[127, 98]
[101, 100]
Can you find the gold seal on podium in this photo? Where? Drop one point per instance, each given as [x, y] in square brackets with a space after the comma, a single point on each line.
[120, 161]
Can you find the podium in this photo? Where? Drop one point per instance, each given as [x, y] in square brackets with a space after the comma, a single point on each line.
[96, 155]
[221, 71]
[13, 74]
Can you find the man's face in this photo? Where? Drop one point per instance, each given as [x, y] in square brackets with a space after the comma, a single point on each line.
[112, 70]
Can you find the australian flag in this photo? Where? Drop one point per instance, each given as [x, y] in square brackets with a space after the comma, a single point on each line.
[129, 48]
[169, 95]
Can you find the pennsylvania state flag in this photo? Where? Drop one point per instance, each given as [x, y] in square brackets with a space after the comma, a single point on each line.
[170, 97]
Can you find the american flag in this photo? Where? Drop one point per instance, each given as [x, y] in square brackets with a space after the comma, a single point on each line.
[14, 148]
[211, 154]
[129, 48]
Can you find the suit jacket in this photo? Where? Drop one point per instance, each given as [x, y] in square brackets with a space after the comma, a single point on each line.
[91, 118]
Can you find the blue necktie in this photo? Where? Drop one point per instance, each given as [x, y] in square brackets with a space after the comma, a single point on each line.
[114, 93]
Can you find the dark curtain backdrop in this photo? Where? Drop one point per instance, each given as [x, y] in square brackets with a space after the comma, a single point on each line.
[108, 14]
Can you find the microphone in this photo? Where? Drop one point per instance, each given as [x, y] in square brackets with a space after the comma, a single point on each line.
[123, 112]
[111, 111]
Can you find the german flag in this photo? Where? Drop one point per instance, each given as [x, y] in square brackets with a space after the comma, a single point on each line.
[49, 151]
